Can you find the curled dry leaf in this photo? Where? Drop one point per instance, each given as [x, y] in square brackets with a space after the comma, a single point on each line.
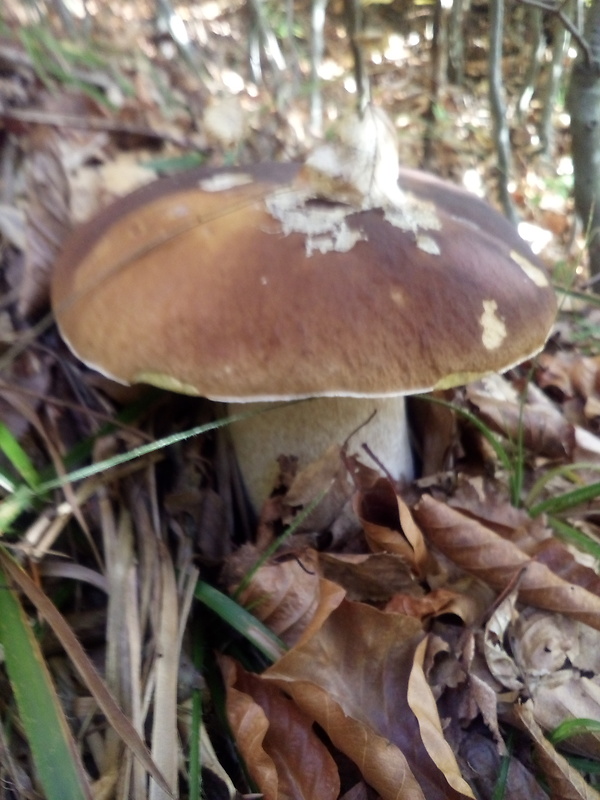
[287, 594]
[352, 678]
[284, 757]
[434, 604]
[388, 525]
[563, 780]
[543, 429]
[567, 565]
[570, 373]
[483, 553]
[422, 703]
[500, 662]
[558, 659]
[546, 663]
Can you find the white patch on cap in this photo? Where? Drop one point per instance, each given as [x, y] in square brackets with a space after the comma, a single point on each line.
[398, 296]
[223, 181]
[534, 273]
[428, 244]
[340, 239]
[494, 329]
[412, 214]
[324, 227]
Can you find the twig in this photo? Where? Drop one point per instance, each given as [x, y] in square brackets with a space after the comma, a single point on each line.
[557, 10]
[34, 117]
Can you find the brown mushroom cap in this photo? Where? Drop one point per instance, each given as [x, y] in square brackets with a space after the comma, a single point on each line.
[200, 288]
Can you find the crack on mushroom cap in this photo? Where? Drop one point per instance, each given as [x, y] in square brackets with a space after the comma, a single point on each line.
[357, 171]
[325, 228]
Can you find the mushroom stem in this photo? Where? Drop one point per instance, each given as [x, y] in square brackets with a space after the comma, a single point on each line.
[307, 429]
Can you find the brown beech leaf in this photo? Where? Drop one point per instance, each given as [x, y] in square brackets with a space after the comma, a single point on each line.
[488, 502]
[543, 428]
[370, 577]
[434, 604]
[283, 754]
[568, 695]
[564, 781]
[288, 594]
[571, 373]
[422, 703]
[482, 763]
[483, 553]
[561, 561]
[389, 526]
[352, 678]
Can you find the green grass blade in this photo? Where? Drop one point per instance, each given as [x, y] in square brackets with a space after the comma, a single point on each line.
[572, 535]
[573, 727]
[11, 507]
[277, 543]
[241, 620]
[567, 471]
[57, 762]
[18, 457]
[146, 449]
[567, 501]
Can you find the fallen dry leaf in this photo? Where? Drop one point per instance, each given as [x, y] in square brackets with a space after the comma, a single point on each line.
[370, 577]
[422, 704]
[388, 525]
[541, 427]
[482, 763]
[434, 604]
[483, 553]
[539, 656]
[352, 678]
[564, 782]
[284, 756]
[287, 594]
[500, 662]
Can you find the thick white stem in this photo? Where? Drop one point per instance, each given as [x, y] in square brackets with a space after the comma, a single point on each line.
[306, 429]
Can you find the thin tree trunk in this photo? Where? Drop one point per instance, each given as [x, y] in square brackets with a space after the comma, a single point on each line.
[498, 107]
[562, 39]
[583, 103]
[317, 48]
[354, 26]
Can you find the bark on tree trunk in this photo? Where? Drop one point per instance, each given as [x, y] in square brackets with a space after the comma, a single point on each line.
[583, 103]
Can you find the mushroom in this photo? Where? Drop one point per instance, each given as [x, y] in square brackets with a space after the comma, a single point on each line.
[347, 280]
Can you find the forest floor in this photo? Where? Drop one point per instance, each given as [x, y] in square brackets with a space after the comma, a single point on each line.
[435, 640]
